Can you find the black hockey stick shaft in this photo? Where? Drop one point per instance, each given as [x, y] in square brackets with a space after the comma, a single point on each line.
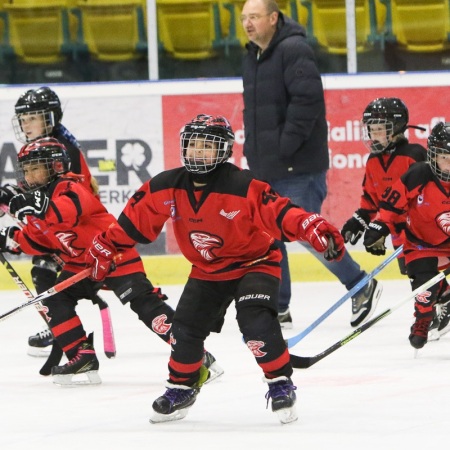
[303, 362]
[56, 354]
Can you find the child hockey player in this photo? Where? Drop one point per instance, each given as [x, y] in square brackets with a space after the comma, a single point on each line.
[384, 122]
[38, 114]
[225, 222]
[418, 203]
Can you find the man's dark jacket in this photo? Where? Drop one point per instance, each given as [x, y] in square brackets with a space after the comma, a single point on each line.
[284, 109]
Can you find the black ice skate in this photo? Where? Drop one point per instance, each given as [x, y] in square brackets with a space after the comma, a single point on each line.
[84, 363]
[174, 404]
[40, 344]
[440, 324]
[281, 391]
[364, 302]
[285, 320]
[215, 371]
[419, 332]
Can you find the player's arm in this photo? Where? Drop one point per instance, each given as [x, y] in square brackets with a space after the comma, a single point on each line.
[287, 222]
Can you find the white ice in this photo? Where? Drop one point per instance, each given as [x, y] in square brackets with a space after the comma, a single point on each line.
[370, 394]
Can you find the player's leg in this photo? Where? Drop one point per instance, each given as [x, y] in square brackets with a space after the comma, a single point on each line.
[256, 306]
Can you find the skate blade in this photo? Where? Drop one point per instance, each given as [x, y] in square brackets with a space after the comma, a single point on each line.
[215, 371]
[287, 415]
[39, 352]
[90, 378]
[286, 326]
[176, 415]
[433, 335]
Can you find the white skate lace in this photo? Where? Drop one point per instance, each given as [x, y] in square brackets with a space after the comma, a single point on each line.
[45, 333]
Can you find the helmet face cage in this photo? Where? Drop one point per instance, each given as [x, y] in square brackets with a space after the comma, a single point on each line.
[49, 153]
[39, 101]
[439, 144]
[205, 143]
[47, 121]
[375, 145]
[390, 111]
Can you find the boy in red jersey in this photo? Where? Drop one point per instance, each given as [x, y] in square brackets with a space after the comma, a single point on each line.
[384, 122]
[418, 203]
[38, 114]
[225, 222]
[66, 218]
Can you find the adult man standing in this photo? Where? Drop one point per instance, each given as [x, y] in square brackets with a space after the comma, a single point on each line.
[286, 133]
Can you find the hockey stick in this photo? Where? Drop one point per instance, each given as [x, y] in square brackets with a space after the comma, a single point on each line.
[303, 362]
[355, 289]
[56, 354]
[48, 293]
[109, 343]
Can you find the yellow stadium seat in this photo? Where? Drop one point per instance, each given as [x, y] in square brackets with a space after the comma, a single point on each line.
[237, 34]
[326, 24]
[38, 30]
[188, 29]
[112, 30]
[418, 25]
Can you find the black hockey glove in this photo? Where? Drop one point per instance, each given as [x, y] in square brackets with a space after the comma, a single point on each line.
[7, 242]
[375, 236]
[7, 192]
[29, 204]
[354, 228]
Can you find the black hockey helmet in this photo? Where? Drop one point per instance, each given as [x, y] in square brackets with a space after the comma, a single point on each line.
[388, 111]
[201, 130]
[37, 101]
[47, 151]
[439, 144]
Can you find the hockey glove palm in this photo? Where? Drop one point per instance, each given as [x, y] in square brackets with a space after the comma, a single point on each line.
[324, 237]
[354, 228]
[29, 204]
[7, 242]
[375, 236]
[100, 258]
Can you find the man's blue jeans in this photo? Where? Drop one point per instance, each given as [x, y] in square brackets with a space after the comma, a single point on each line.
[309, 192]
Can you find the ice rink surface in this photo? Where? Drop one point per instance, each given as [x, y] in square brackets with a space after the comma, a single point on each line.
[371, 393]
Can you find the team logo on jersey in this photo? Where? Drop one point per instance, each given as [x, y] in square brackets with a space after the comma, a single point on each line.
[230, 215]
[255, 348]
[205, 244]
[443, 222]
[423, 297]
[419, 199]
[66, 239]
[159, 324]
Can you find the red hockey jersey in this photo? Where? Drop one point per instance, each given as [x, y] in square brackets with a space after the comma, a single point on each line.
[419, 202]
[225, 230]
[74, 217]
[384, 169]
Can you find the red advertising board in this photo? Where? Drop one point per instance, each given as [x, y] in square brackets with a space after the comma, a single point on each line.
[427, 105]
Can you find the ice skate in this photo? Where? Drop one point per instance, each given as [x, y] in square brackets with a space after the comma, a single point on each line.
[40, 344]
[285, 320]
[82, 369]
[365, 302]
[215, 371]
[281, 391]
[440, 324]
[419, 332]
[174, 404]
